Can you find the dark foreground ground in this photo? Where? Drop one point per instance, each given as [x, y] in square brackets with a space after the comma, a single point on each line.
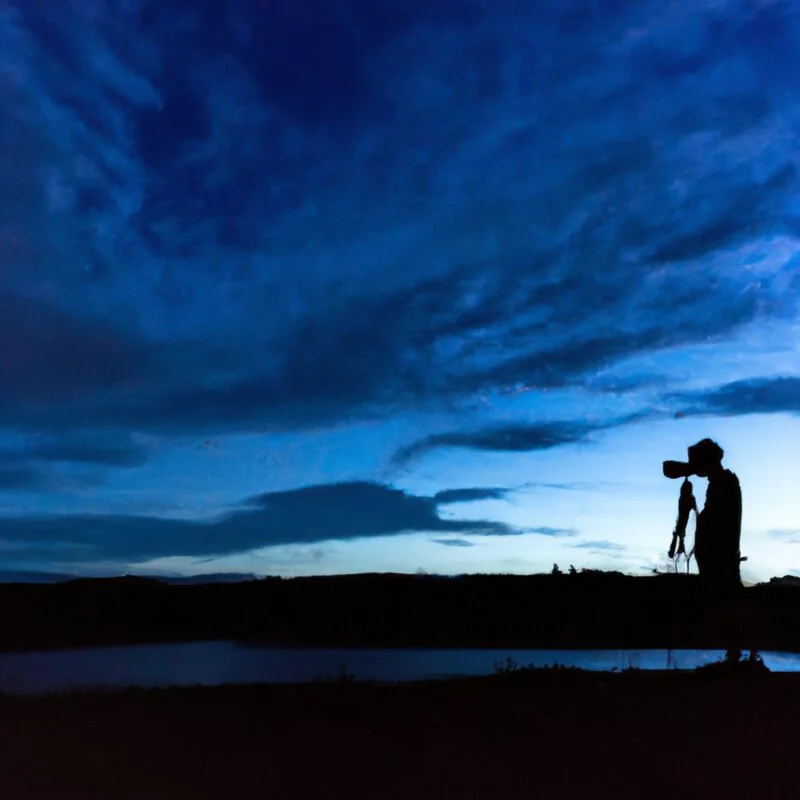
[556, 734]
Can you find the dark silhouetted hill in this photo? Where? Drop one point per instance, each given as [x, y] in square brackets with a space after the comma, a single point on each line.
[214, 577]
[27, 576]
[587, 610]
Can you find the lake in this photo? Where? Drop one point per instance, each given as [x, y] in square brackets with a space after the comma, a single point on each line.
[215, 663]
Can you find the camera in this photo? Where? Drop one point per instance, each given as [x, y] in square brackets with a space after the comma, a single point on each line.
[677, 469]
[704, 456]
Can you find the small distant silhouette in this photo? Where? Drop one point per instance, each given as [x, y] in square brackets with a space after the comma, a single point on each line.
[555, 570]
[572, 570]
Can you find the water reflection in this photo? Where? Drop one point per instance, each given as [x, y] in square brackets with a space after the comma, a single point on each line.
[214, 663]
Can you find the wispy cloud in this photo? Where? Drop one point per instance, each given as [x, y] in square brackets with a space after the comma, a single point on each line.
[519, 438]
[752, 396]
[222, 249]
[454, 542]
[572, 486]
[601, 545]
[112, 451]
[305, 516]
[21, 478]
[469, 495]
[508, 438]
[29, 466]
[790, 535]
[547, 531]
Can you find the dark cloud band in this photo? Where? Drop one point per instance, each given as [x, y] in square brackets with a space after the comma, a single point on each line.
[312, 514]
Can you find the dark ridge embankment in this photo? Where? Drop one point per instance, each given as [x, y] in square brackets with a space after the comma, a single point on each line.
[587, 610]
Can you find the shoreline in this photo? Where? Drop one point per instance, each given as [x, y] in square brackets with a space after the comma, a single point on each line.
[524, 677]
[257, 644]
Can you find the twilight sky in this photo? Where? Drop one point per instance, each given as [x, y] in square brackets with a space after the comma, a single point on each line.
[314, 287]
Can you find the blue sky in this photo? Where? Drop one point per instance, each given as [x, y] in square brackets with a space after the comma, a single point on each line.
[331, 287]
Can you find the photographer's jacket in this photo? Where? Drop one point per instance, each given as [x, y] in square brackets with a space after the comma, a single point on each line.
[719, 528]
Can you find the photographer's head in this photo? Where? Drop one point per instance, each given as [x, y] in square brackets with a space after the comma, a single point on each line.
[705, 461]
[705, 458]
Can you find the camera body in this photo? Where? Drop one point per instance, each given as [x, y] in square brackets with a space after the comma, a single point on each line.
[678, 469]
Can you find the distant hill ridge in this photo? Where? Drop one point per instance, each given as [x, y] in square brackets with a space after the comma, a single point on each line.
[30, 576]
[589, 609]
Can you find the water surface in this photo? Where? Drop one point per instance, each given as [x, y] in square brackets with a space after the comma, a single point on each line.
[215, 663]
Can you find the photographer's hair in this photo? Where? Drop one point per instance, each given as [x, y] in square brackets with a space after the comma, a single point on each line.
[706, 451]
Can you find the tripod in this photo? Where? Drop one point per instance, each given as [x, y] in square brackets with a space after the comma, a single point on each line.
[686, 504]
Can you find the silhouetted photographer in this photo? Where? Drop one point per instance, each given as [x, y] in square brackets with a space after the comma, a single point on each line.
[717, 537]
[719, 524]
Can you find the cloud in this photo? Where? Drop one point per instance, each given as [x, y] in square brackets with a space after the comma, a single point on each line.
[469, 495]
[28, 466]
[602, 545]
[454, 542]
[520, 438]
[118, 451]
[198, 235]
[789, 536]
[306, 516]
[50, 358]
[20, 477]
[617, 384]
[505, 438]
[547, 531]
[751, 396]
[572, 486]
